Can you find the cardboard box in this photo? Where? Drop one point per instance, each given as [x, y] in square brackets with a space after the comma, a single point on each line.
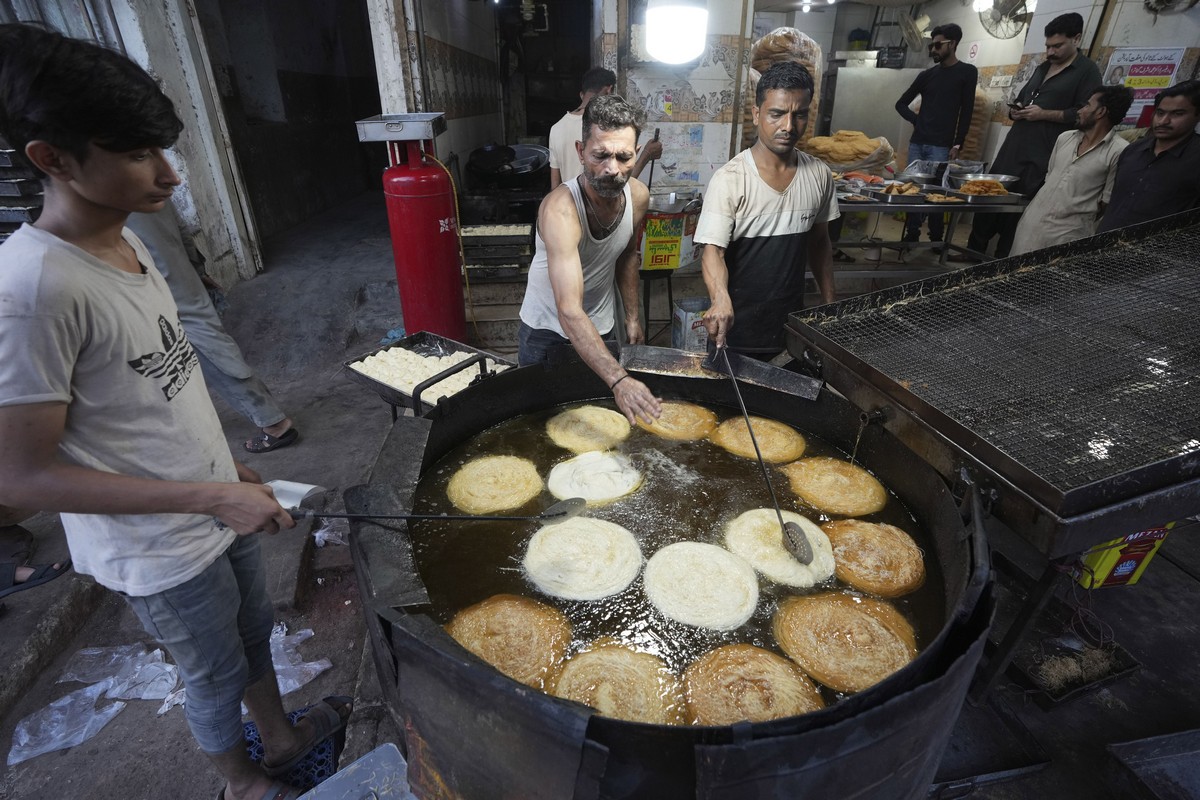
[687, 324]
[1120, 562]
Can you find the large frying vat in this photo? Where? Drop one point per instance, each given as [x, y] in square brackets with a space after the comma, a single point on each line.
[470, 732]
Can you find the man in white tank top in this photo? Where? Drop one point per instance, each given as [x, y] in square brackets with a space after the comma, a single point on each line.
[585, 239]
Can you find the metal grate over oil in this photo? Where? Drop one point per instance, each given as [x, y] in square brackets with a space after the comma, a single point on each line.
[1083, 369]
[691, 489]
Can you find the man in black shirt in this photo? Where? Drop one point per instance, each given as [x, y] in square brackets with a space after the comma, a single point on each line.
[947, 91]
[1044, 109]
[1157, 175]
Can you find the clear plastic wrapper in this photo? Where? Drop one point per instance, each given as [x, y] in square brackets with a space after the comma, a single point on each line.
[67, 722]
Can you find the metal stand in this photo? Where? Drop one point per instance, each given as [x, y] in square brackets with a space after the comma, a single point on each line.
[648, 277]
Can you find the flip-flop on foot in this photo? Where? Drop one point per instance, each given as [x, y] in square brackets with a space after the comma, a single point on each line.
[327, 719]
[265, 442]
[42, 573]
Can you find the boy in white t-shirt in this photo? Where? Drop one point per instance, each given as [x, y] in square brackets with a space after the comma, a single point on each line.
[104, 415]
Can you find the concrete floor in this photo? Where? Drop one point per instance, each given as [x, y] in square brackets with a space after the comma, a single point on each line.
[327, 295]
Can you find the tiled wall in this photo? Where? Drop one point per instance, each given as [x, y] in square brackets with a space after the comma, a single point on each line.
[460, 83]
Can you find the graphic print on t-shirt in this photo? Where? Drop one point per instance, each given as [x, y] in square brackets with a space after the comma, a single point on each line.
[175, 362]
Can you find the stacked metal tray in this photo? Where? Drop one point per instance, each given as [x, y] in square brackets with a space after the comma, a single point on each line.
[424, 343]
[988, 199]
[877, 193]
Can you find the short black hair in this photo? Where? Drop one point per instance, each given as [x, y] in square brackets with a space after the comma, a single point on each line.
[1188, 89]
[70, 93]
[597, 78]
[949, 30]
[1068, 25]
[787, 75]
[1116, 100]
[610, 112]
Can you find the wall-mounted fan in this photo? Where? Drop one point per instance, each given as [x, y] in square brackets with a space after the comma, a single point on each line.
[1005, 19]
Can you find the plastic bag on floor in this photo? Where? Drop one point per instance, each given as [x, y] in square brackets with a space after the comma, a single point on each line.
[94, 664]
[135, 673]
[331, 532]
[67, 722]
[291, 670]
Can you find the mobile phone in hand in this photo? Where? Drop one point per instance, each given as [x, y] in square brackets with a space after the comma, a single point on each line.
[1016, 106]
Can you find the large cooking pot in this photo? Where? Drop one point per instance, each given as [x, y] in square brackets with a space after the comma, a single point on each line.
[471, 732]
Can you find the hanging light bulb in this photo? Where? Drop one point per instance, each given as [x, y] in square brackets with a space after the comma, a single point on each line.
[830, 2]
[806, 8]
[676, 29]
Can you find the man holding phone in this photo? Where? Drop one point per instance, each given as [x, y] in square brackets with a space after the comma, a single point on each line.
[1045, 108]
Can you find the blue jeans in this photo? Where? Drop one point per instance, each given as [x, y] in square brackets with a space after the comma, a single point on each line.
[937, 222]
[535, 345]
[217, 627]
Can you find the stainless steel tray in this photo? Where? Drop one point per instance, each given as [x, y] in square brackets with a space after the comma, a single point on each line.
[988, 199]
[877, 193]
[422, 343]
[400, 127]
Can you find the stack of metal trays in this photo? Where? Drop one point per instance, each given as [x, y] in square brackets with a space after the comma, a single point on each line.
[497, 251]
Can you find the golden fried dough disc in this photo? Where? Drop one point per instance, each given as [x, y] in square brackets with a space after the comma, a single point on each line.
[757, 537]
[586, 428]
[742, 682]
[702, 585]
[847, 643]
[582, 559]
[596, 477]
[524, 639]
[620, 682]
[682, 421]
[875, 557]
[778, 442]
[835, 486]
[494, 483]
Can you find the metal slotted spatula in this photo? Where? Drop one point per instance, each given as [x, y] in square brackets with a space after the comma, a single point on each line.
[794, 540]
[562, 510]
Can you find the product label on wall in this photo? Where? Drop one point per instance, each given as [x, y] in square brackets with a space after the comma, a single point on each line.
[1145, 70]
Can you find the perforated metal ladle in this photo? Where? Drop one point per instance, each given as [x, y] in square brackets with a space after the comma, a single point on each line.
[794, 540]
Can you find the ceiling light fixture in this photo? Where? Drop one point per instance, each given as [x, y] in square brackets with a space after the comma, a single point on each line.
[676, 29]
[806, 8]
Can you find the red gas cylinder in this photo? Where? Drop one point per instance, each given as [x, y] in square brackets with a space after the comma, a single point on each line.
[424, 225]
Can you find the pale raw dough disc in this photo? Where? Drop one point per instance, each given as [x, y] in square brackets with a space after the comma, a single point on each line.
[757, 537]
[742, 682]
[622, 683]
[874, 557]
[524, 639]
[596, 477]
[777, 441]
[702, 585]
[494, 483]
[847, 643]
[682, 421]
[836, 487]
[582, 559]
[587, 428]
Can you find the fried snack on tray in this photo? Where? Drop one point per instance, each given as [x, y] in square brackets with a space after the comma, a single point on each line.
[987, 187]
[902, 188]
[934, 197]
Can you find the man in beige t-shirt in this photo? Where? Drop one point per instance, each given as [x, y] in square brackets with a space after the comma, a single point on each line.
[565, 162]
